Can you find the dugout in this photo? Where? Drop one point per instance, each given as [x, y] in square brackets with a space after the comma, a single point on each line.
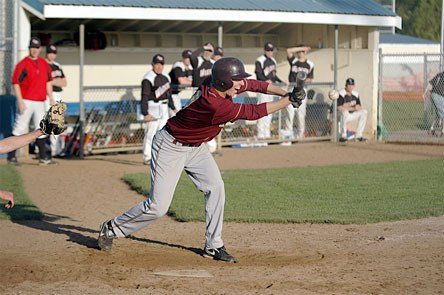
[136, 30]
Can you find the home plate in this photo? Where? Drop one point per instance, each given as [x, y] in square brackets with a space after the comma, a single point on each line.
[190, 273]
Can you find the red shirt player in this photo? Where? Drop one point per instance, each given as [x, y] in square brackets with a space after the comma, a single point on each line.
[179, 147]
[32, 84]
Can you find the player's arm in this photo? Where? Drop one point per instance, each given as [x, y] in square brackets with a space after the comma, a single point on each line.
[194, 57]
[147, 94]
[259, 72]
[275, 106]
[49, 85]
[292, 50]
[19, 75]
[15, 142]
[18, 94]
[60, 82]
[171, 101]
[184, 81]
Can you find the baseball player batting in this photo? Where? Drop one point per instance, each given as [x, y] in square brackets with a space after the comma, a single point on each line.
[179, 146]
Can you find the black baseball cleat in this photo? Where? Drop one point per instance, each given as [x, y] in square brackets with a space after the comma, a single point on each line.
[106, 236]
[362, 139]
[12, 161]
[343, 139]
[219, 254]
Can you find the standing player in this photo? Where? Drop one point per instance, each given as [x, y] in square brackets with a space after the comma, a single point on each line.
[181, 75]
[156, 98]
[180, 146]
[299, 64]
[58, 82]
[202, 63]
[266, 71]
[218, 53]
[349, 107]
[32, 84]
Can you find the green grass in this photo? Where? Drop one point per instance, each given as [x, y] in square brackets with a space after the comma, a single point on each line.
[400, 115]
[344, 194]
[10, 180]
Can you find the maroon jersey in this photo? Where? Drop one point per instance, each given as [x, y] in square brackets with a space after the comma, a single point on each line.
[206, 113]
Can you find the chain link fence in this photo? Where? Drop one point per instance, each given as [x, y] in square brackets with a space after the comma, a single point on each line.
[113, 121]
[7, 13]
[411, 103]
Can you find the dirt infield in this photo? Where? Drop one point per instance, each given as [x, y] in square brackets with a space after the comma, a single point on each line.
[58, 255]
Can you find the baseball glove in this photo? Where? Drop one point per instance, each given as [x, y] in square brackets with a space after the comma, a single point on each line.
[296, 96]
[54, 120]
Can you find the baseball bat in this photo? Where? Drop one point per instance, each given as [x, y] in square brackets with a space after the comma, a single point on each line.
[300, 80]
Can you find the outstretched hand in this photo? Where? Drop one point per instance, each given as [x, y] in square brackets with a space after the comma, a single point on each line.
[7, 196]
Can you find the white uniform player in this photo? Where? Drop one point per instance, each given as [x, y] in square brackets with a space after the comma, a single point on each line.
[265, 69]
[181, 75]
[156, 98]
[58, 82]
[299, 64]
[349, 109]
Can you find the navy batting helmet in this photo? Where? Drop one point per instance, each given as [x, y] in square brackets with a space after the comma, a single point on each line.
[225, 70]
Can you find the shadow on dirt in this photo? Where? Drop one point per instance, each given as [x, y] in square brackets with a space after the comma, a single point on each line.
[73, 233]
[191, 249]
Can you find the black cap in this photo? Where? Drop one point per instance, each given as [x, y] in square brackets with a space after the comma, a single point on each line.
[186, 53]
[34, 43]
[350, 81]
[268, 46]
[219, 51]
[158, 59]
[51, 49]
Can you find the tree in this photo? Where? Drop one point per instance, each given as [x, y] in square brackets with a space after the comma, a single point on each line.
[420, 18]
[427, 23]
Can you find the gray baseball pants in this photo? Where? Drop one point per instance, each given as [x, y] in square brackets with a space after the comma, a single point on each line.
[168, 161]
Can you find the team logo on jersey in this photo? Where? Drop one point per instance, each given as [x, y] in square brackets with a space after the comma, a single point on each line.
[269, 69]
[296, 69]
[162, 89]
[56, 74]
[204, 73]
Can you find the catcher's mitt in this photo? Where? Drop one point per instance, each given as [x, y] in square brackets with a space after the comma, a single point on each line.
[54, 120]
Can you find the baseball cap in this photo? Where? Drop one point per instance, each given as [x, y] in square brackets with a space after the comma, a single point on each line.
[268, 46]
[219, 51]
[51, 49]
[34, 43]
[187, 53]
[158, 59]
[350, 81]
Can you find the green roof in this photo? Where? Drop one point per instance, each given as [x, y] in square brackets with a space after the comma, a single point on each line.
[356, 7]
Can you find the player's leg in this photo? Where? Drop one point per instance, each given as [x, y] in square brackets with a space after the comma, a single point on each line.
[204, 172]
[166, 167]
[362, 120]
[39, 112]
[21, 126]
[344, 118]
[288, 121]
[150, 129]
[263, 124]
[301, 112]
